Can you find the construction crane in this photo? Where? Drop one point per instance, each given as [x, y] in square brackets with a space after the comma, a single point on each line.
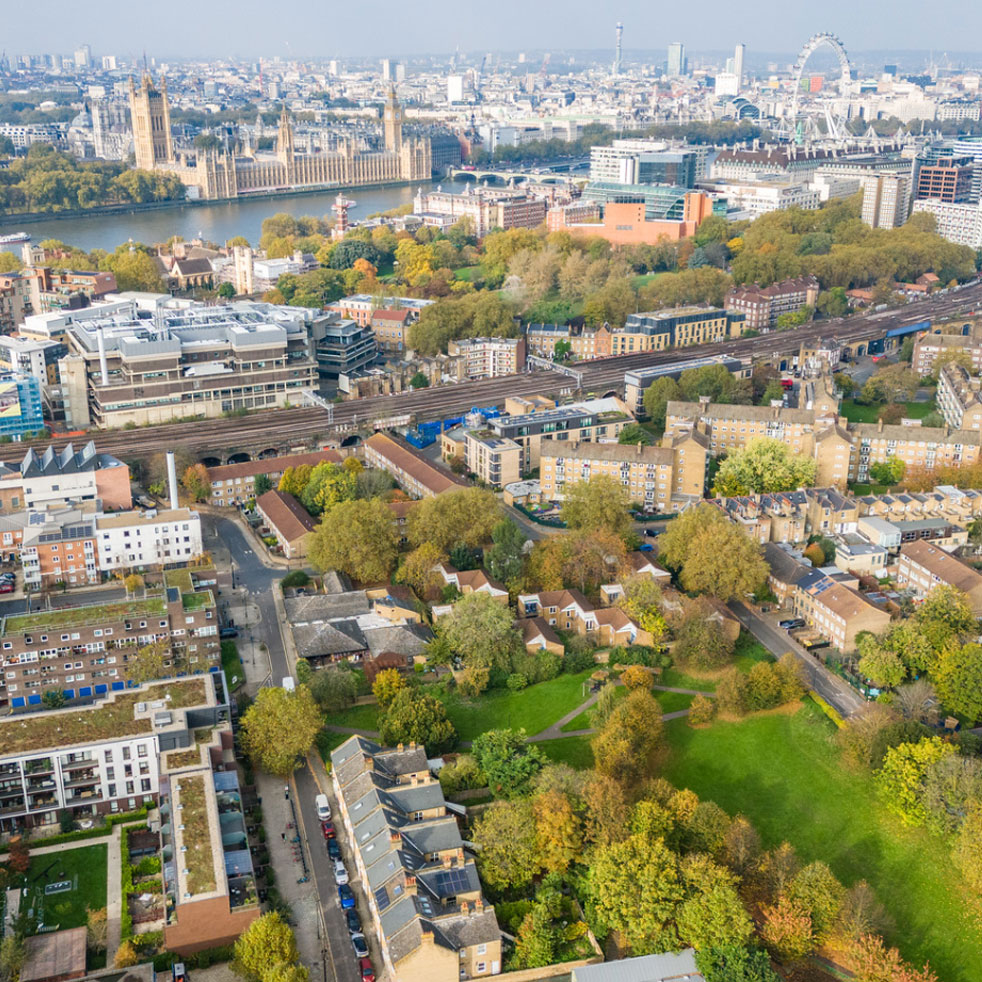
[545, 65]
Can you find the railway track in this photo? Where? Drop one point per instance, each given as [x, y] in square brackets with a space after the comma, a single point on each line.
[289, 427]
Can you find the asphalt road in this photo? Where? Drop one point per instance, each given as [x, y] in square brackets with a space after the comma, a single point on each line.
[338, 955]
[837, 693]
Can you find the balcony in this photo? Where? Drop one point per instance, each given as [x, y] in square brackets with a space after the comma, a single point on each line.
[41, 803]
[12, 807]
[40, 766]
[83, 780]
[74, 763]
[83, 798]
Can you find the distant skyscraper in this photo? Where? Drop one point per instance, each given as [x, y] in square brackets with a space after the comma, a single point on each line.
[676, 59]
[83, 56]
[109, 63]
[400, 72]
[386, 70]
[619, 32]
[738, 52]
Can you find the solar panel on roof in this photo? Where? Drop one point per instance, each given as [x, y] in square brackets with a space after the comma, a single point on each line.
[450, 882]
[382, 898]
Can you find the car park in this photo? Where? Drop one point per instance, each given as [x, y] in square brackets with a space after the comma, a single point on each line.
[367, 972]
[353, 921]
[346, 897]
[333, 850]
[327, 830]
[340, 873]
[360, 945]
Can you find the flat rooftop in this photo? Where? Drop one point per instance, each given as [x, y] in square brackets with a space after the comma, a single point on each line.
[120, 715]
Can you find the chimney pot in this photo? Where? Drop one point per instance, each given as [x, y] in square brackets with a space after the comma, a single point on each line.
[398, 746]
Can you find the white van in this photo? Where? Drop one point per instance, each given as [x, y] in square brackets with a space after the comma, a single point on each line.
[323, 808]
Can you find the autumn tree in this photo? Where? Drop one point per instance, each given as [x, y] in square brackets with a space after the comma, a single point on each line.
[714, 555]
[505, 835]
[126, 955]
[816, 889]
[712, 914]
[902, 777]
[482, 632]
[642, 601]
[96, 928]
[957, 677]
[657, 396]
[503, 560]
[415, 717]
[637, 677]
[197, 483]
[763, 465]
[358, 538]
[267, 941]
[870, 960]
[741, 845]
[787, 930]
[388, 683]
[508, 761]
[19, 856]
[467, 516]
[279, 728]
[880, 664]
[945, 615]
[558, 831]
[601, 504]
[328, 485]
[628, 745]
[333, 689]
[294, 480]
[699, 637]
[418, 569]
[635, 887]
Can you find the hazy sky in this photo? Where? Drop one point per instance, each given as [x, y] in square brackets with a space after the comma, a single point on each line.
[330, 28]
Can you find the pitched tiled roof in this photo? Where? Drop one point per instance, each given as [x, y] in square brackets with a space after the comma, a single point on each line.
[286, 514]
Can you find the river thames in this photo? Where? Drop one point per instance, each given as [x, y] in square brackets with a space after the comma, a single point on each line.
[213, 223]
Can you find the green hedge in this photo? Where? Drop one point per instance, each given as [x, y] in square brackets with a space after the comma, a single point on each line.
[199, 959]
[827, 709]
[124, 818]
[126, 886]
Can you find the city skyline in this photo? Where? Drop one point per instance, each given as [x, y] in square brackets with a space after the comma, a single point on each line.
[313, 31]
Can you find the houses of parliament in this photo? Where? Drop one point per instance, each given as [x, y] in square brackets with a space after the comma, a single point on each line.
[215, 174]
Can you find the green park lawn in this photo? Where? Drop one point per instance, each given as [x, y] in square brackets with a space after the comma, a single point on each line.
[574, 751]
[784, 773]
[533, 709]
[856, 413]
[85, 868]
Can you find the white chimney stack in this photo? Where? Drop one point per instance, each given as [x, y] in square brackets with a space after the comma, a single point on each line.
[102, 357]
[172, 479]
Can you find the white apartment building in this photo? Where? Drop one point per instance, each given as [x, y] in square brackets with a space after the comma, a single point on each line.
[147, 538]
[117, 769]
[489, 357]
[959, 223]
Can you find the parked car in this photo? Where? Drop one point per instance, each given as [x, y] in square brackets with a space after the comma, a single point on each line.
[652, 533]
[360, 945]
[646, 547]
[327, 830]
[340, 873]
[8, 576]
[354, 921]
[367, 972]
[333, 850]
[346, 897]
[323, 808]
[792, 623]
[228, 632]
[6, 587]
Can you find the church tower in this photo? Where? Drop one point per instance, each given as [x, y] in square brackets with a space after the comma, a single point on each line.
[150, 119]
[285, 148]
[392, 122]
